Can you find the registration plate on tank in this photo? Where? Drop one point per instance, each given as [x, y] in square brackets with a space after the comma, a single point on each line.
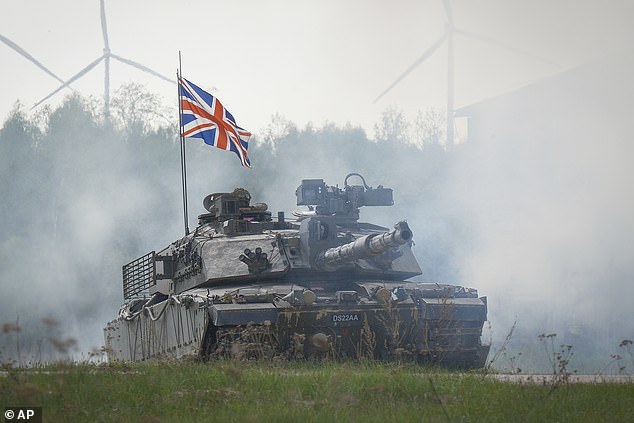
[349, 318]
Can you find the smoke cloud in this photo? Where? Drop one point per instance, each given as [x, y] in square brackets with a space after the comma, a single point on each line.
[546, 186]
[535, 210]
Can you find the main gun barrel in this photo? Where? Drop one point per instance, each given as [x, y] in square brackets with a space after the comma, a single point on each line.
[364, 247]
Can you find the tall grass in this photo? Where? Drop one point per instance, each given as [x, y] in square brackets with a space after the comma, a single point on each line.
[300, 391]
[309, 391]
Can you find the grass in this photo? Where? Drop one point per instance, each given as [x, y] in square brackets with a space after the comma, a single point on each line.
[300, 391]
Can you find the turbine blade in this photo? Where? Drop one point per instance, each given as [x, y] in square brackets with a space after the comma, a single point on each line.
[26, 55]
[418, 61]
[70, 81]
[104, 27]
[504, 46]
[448, 12]
[141, 67]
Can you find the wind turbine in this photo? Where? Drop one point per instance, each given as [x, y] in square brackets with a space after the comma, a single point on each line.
[26, 55]
[106, 56]
[448, 36]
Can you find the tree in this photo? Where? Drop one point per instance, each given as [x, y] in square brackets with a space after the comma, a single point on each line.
[20, 170]
[429, 128]
[278, 129]
[393, 126]
[136, 110]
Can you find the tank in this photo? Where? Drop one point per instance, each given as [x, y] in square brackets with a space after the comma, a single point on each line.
[322, 284]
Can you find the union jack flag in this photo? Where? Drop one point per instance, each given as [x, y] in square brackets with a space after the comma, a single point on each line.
[203, 116]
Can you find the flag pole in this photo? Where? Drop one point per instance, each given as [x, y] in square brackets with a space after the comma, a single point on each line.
[179, 73]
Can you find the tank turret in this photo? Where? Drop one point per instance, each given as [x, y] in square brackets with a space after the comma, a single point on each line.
[326, 285]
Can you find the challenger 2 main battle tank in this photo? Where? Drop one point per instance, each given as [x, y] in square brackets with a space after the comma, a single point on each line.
[245, 285]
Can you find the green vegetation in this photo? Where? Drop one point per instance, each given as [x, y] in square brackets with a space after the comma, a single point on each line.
[309, 392]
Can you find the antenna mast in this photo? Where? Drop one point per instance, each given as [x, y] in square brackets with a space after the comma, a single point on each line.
[179, 74]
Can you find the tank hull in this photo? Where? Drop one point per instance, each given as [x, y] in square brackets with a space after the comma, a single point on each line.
[437, 330]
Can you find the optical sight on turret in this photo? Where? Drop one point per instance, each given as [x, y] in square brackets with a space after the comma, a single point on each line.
[345, 202]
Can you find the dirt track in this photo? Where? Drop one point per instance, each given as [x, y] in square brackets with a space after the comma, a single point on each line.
[550, 379]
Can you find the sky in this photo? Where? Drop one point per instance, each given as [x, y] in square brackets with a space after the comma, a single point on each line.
[308, 61]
